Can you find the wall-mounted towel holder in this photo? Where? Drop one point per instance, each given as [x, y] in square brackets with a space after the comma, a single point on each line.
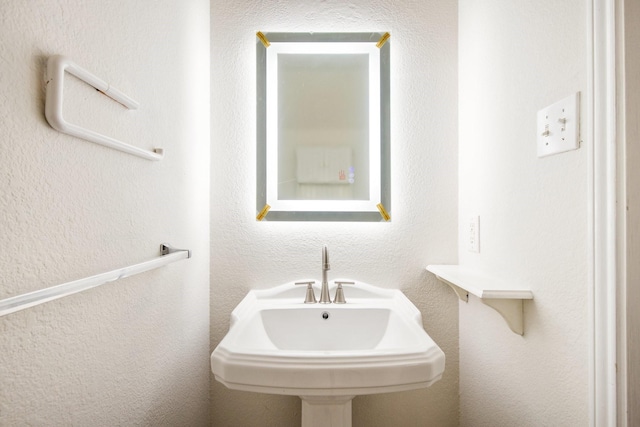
[56, 67]
[21, 302]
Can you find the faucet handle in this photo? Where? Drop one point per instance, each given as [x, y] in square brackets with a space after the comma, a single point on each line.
[339, 298]
[310, 298]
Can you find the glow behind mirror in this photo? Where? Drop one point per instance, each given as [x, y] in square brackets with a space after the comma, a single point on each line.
[274, 176]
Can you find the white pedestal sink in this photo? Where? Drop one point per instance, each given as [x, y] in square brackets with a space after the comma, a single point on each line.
[326, 353]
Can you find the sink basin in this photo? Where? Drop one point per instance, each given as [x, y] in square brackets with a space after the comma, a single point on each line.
[333, 330]
[327, 353]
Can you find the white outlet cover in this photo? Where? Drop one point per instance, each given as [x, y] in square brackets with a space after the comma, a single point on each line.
[474, 234]
[559, 126]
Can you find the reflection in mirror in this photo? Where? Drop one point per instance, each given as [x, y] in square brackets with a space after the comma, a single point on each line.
[323, 127]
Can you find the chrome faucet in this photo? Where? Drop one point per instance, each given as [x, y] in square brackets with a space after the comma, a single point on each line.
[324, 292]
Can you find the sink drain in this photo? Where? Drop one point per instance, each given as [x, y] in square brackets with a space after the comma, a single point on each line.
[325, 315]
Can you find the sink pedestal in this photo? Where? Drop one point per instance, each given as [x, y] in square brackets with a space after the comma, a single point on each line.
[325, 411]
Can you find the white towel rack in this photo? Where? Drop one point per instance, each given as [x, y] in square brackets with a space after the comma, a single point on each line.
[56, 67]
[20, 302]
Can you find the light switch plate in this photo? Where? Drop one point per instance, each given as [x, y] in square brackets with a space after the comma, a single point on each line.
[558, 126]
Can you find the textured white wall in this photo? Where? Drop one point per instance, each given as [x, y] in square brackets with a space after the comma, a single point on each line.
[246, 254]
[134, 352]
[514, 59]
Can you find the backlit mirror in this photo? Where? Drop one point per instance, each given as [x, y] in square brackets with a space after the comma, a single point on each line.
[323, 127]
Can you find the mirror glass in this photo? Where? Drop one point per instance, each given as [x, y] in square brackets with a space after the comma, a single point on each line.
[323, 127]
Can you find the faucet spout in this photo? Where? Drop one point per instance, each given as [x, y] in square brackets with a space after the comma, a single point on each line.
[324, 292]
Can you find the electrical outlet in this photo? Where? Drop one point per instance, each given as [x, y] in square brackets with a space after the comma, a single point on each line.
[474, 234]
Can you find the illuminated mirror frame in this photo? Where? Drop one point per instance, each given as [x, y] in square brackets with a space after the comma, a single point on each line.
[377, 207]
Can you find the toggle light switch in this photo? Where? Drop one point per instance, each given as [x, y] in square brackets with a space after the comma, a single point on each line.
[558, 127]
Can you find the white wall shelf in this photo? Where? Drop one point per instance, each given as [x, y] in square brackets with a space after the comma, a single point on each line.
[507, 300]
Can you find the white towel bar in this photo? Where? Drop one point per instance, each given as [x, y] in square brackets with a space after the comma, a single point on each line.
[20, 302]
[56, 66]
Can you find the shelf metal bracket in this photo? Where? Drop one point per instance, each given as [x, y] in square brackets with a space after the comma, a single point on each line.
[461, 293]
[511, 310]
